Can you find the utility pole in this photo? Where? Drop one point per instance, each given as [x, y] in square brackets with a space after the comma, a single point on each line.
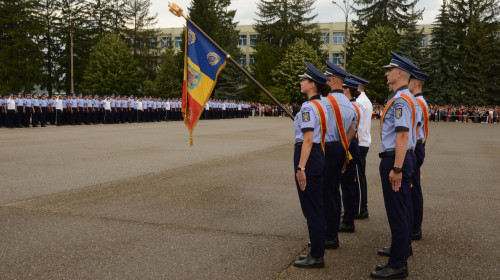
[346, 9]
[71, 50]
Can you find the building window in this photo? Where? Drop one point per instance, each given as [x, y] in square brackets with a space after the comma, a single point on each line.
[242, 40]
[153, 42]
[423, 42]
[166, 42]
[338, 38]
[252, 60]
[338, 58]
[254, 39]
[178, 41]
[243, 60]
[325, 38]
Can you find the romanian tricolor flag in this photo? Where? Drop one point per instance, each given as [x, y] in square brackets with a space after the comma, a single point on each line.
[202, 65]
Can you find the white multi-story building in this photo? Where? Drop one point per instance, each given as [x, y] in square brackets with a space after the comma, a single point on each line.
[332, 35]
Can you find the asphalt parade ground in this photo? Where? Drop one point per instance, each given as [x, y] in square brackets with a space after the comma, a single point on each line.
[133, 201]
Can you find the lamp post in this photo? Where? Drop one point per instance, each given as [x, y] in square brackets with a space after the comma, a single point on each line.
[346, 8]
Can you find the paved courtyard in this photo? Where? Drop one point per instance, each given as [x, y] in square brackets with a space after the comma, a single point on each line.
[134, 201]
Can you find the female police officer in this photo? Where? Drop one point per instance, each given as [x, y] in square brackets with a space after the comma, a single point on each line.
[310, 128]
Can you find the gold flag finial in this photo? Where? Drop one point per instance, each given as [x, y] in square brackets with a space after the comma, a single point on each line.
[176, 10]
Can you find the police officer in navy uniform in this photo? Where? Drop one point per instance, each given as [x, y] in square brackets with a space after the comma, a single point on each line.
[415, 86]
[349, 181]
[335, 151]
[396, 166]
[36, 109]
[309, 161]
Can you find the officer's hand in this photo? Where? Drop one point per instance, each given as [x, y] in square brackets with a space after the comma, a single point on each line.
[344, 167]
[301, 178]
[395, 180]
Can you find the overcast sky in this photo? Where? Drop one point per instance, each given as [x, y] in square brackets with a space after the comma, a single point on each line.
[245, 11]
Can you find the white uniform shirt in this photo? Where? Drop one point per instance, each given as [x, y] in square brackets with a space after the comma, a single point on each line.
[107, 104]
[59, 105]
[365, 122]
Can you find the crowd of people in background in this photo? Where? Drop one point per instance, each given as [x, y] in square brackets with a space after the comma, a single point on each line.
[451, 113]
[34, 110]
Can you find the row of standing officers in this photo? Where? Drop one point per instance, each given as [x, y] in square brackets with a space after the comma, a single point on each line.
[332, 138]
[21, 111]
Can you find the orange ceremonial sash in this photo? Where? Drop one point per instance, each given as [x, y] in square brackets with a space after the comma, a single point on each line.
[340, 125]
[426, 119]
[412, 107]
[322, 121]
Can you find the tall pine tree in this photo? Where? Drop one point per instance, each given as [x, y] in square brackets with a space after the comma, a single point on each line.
[409, 43]
[215, 18]
[477, 25]
[370, 58]
[142, 36]
[20, 55]
[442, 61]
[397, 14]
[280, 23]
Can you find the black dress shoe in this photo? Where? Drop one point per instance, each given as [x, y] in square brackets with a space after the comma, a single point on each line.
[302, 257]
[329, 244]
[390, 273]
[386, 251]
[310, 262]
[346, 228]
[416, 236]
[361, 216]
[380, 267]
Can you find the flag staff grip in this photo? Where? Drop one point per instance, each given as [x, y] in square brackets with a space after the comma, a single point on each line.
[176, 10]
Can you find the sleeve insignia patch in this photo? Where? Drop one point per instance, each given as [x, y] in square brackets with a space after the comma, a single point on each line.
[305, 117]
[399, 113]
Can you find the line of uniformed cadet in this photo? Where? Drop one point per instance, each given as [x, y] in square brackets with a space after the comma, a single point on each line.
[23, 111]
[327, 158]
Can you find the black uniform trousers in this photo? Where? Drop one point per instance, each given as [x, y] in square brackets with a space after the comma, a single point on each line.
[35, 116]
[398, 207]
[349, 184]
[10, 118]
[334, 160]
[27, 117]
[43, 117]
[59, 115]
[311, 199]
[361, 193]
[19, 116]
[416, 190]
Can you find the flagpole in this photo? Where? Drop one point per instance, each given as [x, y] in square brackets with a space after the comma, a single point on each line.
[176, 10]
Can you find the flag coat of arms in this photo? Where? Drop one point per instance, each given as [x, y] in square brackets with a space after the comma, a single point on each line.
[202, 65]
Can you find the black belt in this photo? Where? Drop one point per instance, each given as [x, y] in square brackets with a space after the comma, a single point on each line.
[332, 143]
[391, 153]
[421, 141]
[299, 144]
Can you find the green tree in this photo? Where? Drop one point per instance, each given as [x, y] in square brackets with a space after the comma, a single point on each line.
[285, 75]
[142, 36]
[280, 23]
[49, 40]
[397, 14]
[216, 19]
[170, 74]
[409, 43]
[477, 26]
[442, 60]
[73, 20]
[20, 55]
[111, 68]
[370, 58]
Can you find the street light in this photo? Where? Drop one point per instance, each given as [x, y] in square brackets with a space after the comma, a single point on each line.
[346, 9]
